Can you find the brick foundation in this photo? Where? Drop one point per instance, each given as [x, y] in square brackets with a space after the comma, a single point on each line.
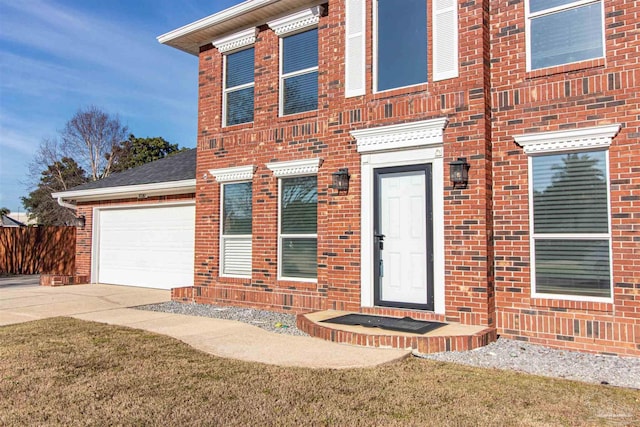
[63, 280]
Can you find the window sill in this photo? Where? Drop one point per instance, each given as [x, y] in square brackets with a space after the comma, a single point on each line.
[407, 90]
[565, 303]
[298, 116]
[566, 68]
[239, 126]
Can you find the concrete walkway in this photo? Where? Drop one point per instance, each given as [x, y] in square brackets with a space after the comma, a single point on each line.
[22, 302]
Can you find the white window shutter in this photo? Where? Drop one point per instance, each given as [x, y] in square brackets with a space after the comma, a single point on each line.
[354, 59]
[237, 256]
[445, 39]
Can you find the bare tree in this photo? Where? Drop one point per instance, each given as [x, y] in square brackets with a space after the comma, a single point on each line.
[91, 137]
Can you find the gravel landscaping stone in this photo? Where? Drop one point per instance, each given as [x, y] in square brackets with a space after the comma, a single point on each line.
[502, 354]
[539, 360]
[280, 323]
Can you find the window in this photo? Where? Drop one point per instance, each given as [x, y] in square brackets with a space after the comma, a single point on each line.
[298, 226]
[401, 43]
[571, 239]
[564, 31]
[238, 87]
[235, 254]
[299, 73]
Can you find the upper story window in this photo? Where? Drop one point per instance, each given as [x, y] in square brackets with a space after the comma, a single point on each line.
[401, 43]
[238, 87]
[298, 60]
[564, 31]
[238, 77]
[299, 75]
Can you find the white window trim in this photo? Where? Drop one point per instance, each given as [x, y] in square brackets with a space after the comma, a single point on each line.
[295, 167]
[283, 77]
[296, 22]
[240, 173]
[226, 91]
[531, 16]
[402, 136]
[286, 236]
[596, 138]
[375, 56]
[236, 41]
[289, 25]
[226, 176]
[223, 237]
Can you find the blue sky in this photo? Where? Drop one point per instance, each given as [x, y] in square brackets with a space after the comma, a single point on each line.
[57, 56]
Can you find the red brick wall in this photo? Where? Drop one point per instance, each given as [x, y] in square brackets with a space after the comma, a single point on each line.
[325, 134]
[84, 235]
[585, 94]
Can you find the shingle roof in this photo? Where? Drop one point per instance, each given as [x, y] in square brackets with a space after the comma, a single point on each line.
[177, 167]
[7, 221]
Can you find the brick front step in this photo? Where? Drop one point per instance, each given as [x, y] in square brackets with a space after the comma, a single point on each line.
[453, 337]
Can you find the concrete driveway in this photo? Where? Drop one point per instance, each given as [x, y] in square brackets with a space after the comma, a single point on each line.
[21, 301]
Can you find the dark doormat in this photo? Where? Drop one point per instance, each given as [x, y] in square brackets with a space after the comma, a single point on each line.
[405, 324]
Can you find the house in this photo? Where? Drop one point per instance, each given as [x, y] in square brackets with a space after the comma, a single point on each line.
[10, 221]
[136, 227]
[490, 151]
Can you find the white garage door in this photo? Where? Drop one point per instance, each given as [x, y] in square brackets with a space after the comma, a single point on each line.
[151, 247]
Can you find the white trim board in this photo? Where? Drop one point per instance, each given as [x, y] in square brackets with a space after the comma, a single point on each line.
[108, 193]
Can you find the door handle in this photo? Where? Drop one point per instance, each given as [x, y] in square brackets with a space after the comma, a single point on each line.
[380, 238]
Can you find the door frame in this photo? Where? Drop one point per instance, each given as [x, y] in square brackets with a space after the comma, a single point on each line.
[427, 168]
[370, 161]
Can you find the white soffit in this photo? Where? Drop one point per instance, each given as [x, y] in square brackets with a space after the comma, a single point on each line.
[402, 136]
[108, 193]
[236, 40]
[240, 173]
[297, 21]
[567, 140]
[295, 167]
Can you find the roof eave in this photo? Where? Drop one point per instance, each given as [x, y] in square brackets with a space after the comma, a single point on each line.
[173, 38]
[129, 191]
[191, 37]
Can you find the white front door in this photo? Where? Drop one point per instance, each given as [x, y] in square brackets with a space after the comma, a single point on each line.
[403, 237]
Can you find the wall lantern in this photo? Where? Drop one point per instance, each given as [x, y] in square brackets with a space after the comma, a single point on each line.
[340, 180]
[80, 221]
[459, 172]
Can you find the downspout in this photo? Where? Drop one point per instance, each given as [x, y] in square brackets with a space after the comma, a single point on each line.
[64, 204]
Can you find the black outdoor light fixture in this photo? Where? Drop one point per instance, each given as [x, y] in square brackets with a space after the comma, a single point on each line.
[459, 172]
[340, 180]
[81, 221]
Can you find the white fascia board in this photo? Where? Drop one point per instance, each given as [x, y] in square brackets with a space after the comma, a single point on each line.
[568, 140]
[216, 18]
[154, 189]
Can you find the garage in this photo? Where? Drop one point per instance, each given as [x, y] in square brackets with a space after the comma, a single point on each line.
[151, 247]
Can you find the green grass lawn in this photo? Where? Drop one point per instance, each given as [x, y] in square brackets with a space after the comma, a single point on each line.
[69, 372]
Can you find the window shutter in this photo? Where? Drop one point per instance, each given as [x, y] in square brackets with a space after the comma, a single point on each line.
[445, 39]
[237, 256]
[354, 60]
